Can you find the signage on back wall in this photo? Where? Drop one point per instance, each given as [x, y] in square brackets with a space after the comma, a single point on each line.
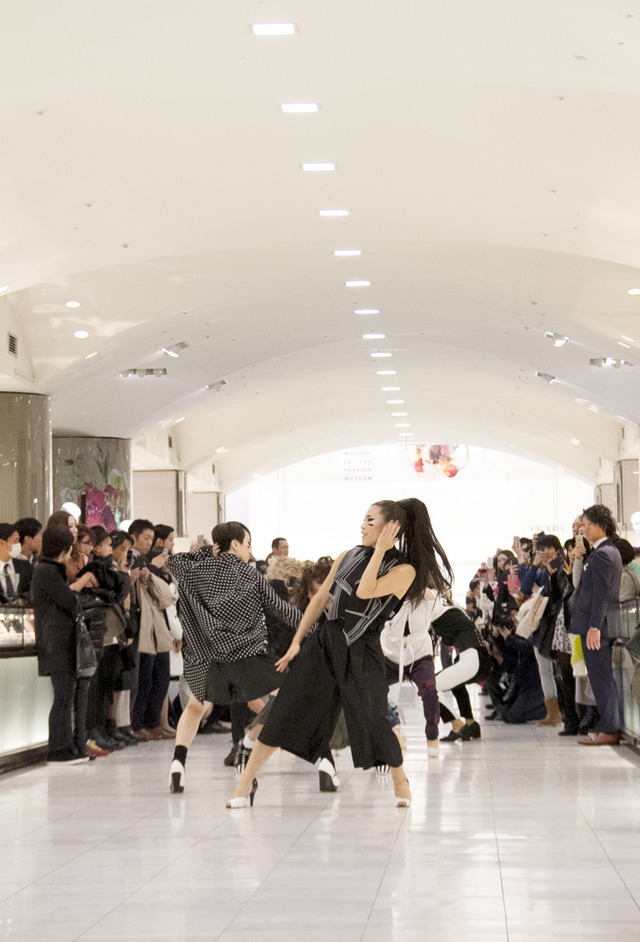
[357, 465]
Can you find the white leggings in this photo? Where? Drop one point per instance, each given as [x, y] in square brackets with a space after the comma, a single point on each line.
[466, 667]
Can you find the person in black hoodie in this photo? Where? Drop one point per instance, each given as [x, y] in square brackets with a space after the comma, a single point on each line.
[55, 605]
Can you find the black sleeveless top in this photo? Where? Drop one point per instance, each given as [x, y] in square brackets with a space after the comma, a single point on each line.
[357, 616]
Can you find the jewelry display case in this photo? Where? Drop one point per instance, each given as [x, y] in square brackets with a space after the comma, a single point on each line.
[17, 633]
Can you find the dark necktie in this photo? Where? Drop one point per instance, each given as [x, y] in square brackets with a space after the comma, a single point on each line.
[11, 589]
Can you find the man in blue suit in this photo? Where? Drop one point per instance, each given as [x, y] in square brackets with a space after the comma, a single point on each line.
[596, 618]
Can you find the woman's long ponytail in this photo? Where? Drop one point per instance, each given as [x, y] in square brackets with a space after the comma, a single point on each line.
[420, 546]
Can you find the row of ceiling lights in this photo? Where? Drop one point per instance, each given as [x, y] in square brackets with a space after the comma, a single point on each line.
[289, 29]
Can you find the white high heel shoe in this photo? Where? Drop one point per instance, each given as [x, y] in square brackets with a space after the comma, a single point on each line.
[176, 777]
[244, 800]
[328, 776]
[403, 795]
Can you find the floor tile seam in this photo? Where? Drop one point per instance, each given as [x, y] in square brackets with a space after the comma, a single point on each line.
[487, 754]
[402, 825]
[284, 854]
[550, 755]
[41, 827]
[138, 888]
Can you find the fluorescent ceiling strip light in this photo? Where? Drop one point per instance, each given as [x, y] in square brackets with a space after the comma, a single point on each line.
[318, 166]
[334, 212]
[273, 29]
[302, 107]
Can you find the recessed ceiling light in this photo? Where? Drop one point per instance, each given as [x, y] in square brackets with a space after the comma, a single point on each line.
[221, 451]
[559, 340]
[405, 434]
[273, 29]
[373, 336]
[90, 356]
[630, 339]
[625, 345]
[379, 354]
[4, 288]
[403, 424]
[574, 441]
[392, 389]
[593, 408]
[358, 284]
[334, 212]
[582, 402]
[394, 402]
[72, 304]
[81, 334]
[142, 373]
[344, 253]
[633, 291]
[318, 166]
[386, 372]
[366, 310]
[181, 419]
[398, 415]
[300, 107]
[175, 349]
[608, 361]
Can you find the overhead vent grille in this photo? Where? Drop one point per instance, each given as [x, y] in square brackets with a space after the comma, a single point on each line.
[218, 385]
[12, 345]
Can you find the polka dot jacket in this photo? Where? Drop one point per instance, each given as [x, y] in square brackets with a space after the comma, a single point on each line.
[222, 607]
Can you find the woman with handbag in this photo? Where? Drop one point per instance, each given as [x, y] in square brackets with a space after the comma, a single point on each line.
[55, 608]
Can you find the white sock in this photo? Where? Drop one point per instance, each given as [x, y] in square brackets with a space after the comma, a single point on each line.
[248, 743]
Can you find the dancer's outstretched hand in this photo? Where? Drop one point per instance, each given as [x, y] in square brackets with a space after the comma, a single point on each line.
[388, 536]
[283, 663]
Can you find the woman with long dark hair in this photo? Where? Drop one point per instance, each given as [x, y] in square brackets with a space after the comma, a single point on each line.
[341, 664]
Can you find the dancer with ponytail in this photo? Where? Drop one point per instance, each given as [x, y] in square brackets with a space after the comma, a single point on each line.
[341, 664]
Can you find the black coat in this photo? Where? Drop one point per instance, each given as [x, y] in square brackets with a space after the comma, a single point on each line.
[24, 572]
[54, 609]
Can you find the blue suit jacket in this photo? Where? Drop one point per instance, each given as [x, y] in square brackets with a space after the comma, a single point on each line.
[597, 601]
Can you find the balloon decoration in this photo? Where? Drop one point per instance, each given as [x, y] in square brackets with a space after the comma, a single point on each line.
[447, 460]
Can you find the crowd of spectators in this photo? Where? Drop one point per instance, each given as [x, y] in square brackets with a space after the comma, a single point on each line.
[521, 602]
[120, 586]
[524, 602]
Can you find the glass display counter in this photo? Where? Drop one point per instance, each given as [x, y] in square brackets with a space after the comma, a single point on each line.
[17, 635]
[25, 698]
[626, 665]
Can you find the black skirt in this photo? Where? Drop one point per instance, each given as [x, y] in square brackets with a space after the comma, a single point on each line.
[326, 676]
[243, 680]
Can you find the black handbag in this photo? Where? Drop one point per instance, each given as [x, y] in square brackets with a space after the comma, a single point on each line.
[86, 660]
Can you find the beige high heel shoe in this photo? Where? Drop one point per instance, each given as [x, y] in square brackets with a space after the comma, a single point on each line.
[403, 795]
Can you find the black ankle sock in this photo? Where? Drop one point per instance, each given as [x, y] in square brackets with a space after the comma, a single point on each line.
[180, 753]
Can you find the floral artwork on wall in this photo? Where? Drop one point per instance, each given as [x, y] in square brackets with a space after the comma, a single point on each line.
[447, 460]
[95, 478]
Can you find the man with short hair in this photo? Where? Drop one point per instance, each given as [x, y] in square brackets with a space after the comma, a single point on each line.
[143, 533]
[30, 535]
[279, 546]
[596, 618]
[15, 574]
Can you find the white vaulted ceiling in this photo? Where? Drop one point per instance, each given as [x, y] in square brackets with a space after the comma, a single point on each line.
[487, 151]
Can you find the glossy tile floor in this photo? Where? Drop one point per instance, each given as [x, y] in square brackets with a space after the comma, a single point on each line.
[522, 835]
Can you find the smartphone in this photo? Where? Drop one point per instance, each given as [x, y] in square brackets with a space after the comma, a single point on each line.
[129, 557]
[579, 539]
[165, 551]
[516, 541]
[200, 539]
[490, 561]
